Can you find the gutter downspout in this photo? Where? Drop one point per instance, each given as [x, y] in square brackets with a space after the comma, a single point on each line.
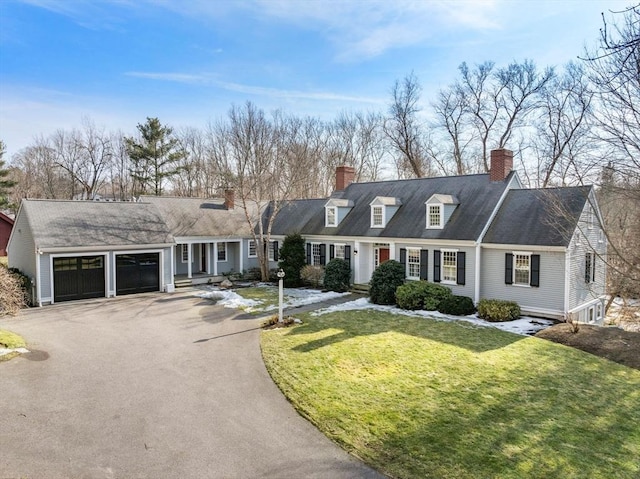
[567, 279]
[38, 292]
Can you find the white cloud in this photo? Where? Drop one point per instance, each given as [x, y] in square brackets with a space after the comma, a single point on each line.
[172, 77]
[296, 94]
[210, 79]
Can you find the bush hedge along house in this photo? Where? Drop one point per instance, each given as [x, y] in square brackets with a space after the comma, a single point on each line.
[483, 235]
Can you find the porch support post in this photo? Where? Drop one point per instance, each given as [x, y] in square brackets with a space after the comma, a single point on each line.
[189, 260]
[215, 258]
[241, 265]
[208, 256]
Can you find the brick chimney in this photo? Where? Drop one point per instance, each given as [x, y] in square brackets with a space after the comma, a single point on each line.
[344, 177]
[501, 164]
[229, 199]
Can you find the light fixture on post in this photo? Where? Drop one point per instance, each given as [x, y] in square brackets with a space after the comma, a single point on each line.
[280, 275]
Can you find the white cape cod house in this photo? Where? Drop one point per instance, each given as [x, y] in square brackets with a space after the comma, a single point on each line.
[484, 236]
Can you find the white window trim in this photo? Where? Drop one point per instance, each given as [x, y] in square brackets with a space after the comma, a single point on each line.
[513, 273]
[184, 249]
[382, 208]
[218, 253]
[448, 281]
[249, 243]
[441, 208]
[335, 249]
[419, 265]
[335, 216]
[313, 263]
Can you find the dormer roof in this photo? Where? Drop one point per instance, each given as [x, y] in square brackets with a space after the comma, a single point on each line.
[386, 201]
[339, 202]
[443, 199]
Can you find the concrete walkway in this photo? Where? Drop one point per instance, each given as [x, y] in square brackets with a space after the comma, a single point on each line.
[152, 386]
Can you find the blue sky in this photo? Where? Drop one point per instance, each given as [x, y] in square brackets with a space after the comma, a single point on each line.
[186, 62]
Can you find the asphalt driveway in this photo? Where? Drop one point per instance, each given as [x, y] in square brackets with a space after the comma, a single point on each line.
[152, 386]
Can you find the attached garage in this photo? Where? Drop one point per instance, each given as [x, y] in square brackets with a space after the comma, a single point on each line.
[76, 250]
[137, 273]
[78, 277]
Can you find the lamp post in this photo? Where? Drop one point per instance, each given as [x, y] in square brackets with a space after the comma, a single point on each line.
[280, 294]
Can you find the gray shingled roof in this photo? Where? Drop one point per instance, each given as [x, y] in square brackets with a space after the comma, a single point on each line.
[200, 217]
[476, 193]
[57, 223]
[542, 217]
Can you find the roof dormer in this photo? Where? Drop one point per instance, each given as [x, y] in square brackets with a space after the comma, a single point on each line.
[335, 210]
[439, 210]
[382, 210]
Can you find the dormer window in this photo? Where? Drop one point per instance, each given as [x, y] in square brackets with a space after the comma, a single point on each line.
[331, 216]
[382, 210]
[377, 216]
[434, 218]
[439, 210]
[335, 210]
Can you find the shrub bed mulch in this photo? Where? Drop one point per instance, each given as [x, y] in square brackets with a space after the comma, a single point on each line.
[611, 343]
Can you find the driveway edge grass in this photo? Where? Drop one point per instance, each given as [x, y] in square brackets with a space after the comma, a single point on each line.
[416, 397]
[10, 340]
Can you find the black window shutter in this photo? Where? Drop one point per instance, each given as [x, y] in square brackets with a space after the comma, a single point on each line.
[323, 254]
[461, 267]
[587, 267]
[347, 254]
[436, 266]
[508, 268]
[403, 256]
[275, 251]
[424, 264]
[593, 266]
[535, 270]
[308, 253]
[332, 252]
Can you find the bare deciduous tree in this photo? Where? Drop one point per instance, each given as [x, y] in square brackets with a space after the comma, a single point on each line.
[561, 144]
[405, 130]
[259, 152]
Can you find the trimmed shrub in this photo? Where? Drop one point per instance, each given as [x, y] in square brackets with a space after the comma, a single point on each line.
[498, 310]
[384, 281]
[337, 275]
[292, 259]
[411, 295]
[421, 295]
[312, 275]
[457, 305]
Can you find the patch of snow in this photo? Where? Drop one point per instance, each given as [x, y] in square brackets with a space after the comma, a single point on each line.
[4, 351]
[293, 298]
[524, 326]
[302, 297]
[229, 299]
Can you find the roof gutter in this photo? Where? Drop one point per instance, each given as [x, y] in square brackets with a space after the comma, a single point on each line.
[73, 249]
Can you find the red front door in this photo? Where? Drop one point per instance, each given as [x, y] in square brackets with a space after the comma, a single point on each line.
[383, 255]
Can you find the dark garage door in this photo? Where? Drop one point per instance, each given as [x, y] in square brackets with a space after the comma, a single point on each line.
[137, 273]
[79, 277]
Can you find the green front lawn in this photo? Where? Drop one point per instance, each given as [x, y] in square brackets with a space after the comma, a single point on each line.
[432, 399]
